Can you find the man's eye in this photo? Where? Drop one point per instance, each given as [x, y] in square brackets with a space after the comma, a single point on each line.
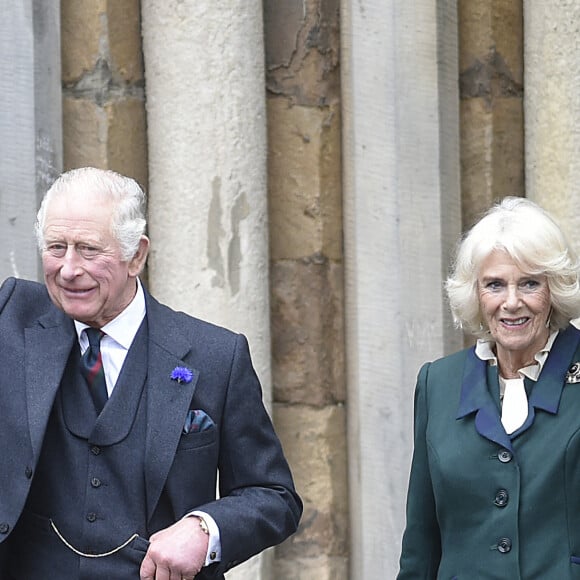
[57, 250]
[87, 251]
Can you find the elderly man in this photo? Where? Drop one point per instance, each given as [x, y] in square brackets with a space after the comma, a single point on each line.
[124, 412]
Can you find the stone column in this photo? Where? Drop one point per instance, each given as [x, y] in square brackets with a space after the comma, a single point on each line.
[552, 109]
[401, 220]
[30, 126]
[204, 71]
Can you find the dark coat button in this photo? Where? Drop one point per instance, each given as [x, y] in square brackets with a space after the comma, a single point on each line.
[91, 517]
[505, 456]
[96, 482]
[4, 528]
[95, 450]
[501, 498]
[504, 545]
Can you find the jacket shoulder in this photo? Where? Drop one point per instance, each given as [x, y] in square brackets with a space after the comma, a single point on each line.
[17, 292]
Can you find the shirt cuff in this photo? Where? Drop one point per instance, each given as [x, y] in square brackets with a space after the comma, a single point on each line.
[214, 546]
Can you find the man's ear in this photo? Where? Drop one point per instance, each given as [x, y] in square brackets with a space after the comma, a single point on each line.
[137, 262]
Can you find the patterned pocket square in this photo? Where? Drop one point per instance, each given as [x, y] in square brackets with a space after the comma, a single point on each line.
[197, 421]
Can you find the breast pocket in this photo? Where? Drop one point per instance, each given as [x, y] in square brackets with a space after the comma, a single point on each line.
[195, 440]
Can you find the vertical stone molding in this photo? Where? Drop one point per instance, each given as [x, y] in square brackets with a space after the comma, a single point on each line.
[552, 109]
[401, 220]
[30, 126]
[204, 71]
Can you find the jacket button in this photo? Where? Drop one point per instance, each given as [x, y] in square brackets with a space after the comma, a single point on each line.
[501, 498]
[504, 456]
[96, 482]
[95, 450]
[504, 545]
[91, 517]
[4, 528]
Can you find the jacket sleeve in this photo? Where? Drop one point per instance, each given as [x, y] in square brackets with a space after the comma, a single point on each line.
[421, 549]
[258, 505]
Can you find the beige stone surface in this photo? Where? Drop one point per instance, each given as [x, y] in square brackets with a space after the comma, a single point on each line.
[307, 331]
[84, 134]
[492, 154]
[318, 568]
[124, 23]
[305, 208]
[314, 442]
[82, 30]
[111, 137]
[302, 50]
[127, 138]
[490, 28]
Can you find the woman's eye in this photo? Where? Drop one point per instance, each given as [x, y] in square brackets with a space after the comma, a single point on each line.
[493, 285]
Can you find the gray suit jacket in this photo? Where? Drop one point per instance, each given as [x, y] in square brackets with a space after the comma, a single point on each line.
[259, 506]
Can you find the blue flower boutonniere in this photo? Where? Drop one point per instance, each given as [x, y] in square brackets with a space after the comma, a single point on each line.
[181, 375]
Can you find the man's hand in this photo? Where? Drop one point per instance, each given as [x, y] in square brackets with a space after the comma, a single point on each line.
[176, 553]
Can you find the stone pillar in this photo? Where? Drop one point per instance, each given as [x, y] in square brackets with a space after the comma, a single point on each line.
[401, 221]
[491, 89]
[30, 126]
[204, 63]
[552, 109]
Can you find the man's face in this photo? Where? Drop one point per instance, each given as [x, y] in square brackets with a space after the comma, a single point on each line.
[84, 272]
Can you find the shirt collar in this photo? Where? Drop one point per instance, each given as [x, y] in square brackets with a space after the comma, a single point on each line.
[123, 328]
[484, 351]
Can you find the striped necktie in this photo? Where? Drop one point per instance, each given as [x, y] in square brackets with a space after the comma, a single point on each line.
[92, 368]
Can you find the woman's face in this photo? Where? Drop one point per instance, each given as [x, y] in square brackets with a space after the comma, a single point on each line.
[515, 305]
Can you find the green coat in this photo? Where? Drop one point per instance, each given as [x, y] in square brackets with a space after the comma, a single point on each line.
[481, 504]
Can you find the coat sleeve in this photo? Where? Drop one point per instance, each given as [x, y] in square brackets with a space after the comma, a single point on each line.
[258, 505]
[421, 549]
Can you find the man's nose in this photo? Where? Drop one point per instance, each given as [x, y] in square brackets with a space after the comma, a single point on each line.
[71, 265]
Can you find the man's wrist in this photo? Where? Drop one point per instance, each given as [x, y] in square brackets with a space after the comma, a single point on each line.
[202, 524]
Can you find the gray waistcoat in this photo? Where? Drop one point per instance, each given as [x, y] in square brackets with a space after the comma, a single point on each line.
[89, 481]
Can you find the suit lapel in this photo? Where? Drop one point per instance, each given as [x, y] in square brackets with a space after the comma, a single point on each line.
[167, 400]
[47, 348]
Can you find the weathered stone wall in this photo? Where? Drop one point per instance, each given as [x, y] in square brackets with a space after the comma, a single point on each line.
[104, 121]
[306, 278]
[491, 86]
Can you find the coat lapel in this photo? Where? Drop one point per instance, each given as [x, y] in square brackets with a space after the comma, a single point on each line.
[47, 348]
[547, 392]
[167, 400]
[476, 398]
